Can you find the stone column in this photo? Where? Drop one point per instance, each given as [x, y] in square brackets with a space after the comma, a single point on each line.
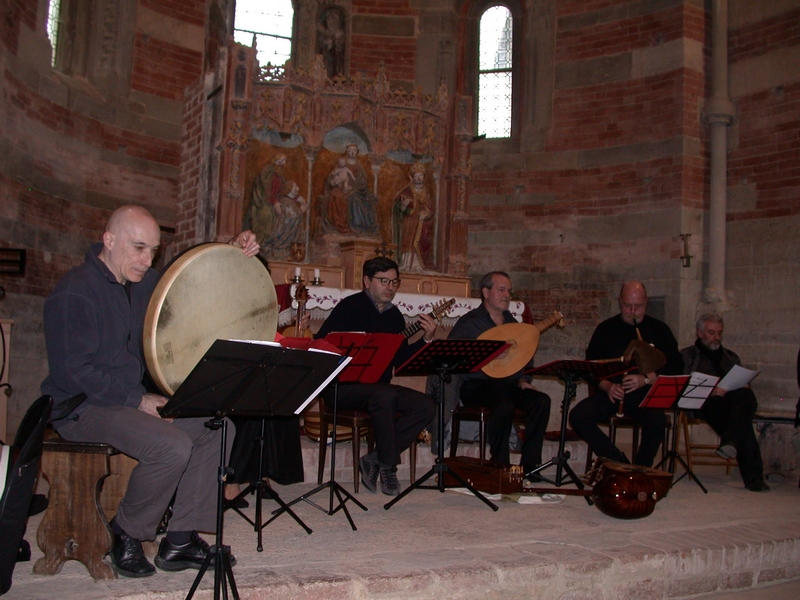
[719, 113]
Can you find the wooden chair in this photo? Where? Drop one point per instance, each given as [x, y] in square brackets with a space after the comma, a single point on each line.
[360, 423]
[700, 454]
[479, 414]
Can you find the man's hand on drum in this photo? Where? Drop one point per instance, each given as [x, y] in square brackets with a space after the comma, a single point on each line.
[151, 403]
[247, 241]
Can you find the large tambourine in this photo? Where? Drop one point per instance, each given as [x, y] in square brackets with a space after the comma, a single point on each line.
[212, 291]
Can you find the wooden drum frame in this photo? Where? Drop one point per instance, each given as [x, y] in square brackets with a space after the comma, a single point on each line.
[212, 291]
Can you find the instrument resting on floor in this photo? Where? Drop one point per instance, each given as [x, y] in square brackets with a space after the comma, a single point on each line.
[211, 291]
[626, 491]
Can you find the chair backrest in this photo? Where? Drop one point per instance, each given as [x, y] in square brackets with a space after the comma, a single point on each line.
[16, 499]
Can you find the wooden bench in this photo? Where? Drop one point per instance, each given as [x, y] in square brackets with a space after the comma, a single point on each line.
[87, 481]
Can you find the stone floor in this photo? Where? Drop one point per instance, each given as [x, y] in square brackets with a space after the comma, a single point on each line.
[729, 543]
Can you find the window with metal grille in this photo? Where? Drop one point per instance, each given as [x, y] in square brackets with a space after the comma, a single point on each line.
[53, 25]
[268, 25]
[495, 72]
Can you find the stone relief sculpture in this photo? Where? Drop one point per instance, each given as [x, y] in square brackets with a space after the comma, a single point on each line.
[331, 40]
[412, 222]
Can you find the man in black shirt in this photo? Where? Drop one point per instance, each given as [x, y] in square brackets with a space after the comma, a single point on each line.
[610, 340]
[372, 311]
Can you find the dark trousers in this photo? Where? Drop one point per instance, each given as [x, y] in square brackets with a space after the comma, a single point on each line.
[179, 457]
[398, 414]
[731, 416]
[599, 407]
[502, 397]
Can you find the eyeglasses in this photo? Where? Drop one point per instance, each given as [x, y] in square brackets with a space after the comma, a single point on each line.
[387, 282]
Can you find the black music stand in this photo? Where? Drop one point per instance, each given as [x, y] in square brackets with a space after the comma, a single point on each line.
[666, 394]
[370, 355]
[249, 379]
[570, 372]
[262, 489]
[446, 358]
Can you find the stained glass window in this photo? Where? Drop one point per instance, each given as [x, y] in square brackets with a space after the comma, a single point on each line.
[269, 22]
[494, 73]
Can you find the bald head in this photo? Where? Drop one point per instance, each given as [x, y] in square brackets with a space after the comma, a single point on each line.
[632, 302]
[130, 243]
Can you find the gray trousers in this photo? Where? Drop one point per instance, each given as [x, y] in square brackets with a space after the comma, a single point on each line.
[181, 458]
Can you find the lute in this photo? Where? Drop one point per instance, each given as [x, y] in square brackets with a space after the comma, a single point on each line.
[438, 312]
[524, 340]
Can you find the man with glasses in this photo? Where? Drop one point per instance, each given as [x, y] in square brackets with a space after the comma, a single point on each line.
[610, 340]
[502, 396]
[398, 413]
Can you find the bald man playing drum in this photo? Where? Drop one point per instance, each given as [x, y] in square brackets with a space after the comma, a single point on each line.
[93, 325]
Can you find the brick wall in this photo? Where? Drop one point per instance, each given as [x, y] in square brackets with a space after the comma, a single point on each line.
[163, 69]
[384, 31]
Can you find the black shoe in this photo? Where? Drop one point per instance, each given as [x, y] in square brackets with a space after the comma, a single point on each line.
[727, 451]
[128, 557]
[239, 503]
[532, 477]
[759, 485]
[178, 557]
[389, 483]
[369, 472]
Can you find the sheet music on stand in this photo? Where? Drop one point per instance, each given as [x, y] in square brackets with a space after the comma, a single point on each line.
[687, 392]
[255, 378]
[370, 354]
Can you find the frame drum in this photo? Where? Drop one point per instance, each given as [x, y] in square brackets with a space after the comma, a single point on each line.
[212, 291]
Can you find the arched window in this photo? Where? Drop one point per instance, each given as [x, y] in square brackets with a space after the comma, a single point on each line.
[53, 26]
[495, 76]
[270, 24]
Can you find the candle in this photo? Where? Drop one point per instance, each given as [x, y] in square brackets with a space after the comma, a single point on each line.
[316, 273]
[297, 271]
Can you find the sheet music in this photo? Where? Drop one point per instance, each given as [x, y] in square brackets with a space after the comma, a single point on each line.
[342, 365]
[697, 390]
[737, 377]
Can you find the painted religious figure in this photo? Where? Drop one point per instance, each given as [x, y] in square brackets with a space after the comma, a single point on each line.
[288, 231]
[412, 223]
[264, 197]
[331, 40]
[347, 204]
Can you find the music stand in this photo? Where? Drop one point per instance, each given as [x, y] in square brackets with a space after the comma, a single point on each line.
[666, 393]
[445, 358]
[253, 379]
[261, 489]
[370, 355]
[570, 372]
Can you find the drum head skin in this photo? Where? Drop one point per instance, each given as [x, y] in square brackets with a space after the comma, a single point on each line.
[210, 292]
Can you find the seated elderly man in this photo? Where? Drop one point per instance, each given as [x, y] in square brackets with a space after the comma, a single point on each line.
[93, 325]
[730, 413]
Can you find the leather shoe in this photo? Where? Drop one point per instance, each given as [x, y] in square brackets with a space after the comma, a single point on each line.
[759, 485]
[727, 451]
[389, 483]
[369, 472]
[128, 557]
[178, 557]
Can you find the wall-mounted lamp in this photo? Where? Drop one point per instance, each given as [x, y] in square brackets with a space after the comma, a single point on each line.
[686, 258]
